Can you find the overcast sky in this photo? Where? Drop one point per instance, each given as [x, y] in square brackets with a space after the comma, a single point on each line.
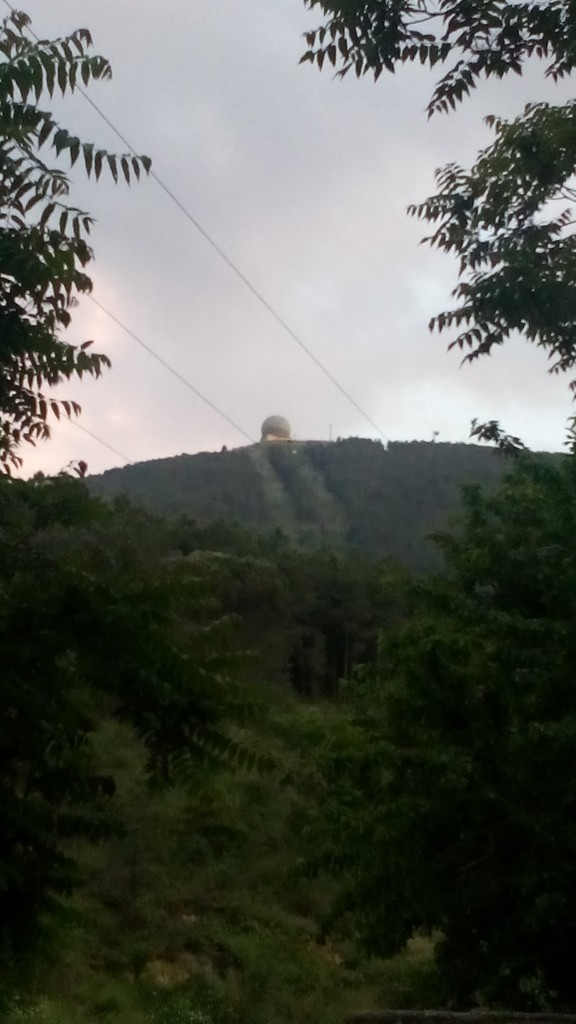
[304, 181]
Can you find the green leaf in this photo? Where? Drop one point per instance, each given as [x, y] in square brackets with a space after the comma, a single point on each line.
[113, 166]
[88, 150]
[47, 213]
[45, 130]
[62, 76]
[75, 146]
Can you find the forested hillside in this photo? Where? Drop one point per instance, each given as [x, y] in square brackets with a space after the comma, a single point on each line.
[255, 766]
[353, 492]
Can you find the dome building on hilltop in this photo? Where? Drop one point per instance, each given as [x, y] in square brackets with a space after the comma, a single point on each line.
[276, 428]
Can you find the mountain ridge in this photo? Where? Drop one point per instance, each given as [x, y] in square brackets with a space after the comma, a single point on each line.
[352, 492]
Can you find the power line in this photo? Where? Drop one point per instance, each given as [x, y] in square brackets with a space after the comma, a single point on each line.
[143, 344]
[231, 264]
[139, 341]
[236, 269]
[101, 441]
[171, 370]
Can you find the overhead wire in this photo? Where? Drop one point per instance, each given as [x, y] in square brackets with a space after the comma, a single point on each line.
[101, 441]
[175, 373]
[236, 269]
[196, 391]
[233, 267]
[73, 422]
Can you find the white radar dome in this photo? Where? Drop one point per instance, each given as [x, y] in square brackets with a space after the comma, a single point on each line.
[276, 428]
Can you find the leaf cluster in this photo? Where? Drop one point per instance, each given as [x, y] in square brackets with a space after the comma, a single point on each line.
[510, 223]
[451, 804]
[486, 39]
[44, 248]
[509, 220]
[109, 634]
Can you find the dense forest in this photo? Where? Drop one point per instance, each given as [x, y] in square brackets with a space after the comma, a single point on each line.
[217, 780]
[350, 493]
[159, 770]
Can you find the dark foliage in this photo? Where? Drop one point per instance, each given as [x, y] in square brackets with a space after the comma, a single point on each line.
[509, 220]
[43, 238]
[486, 39]
[353, 493]
[91, 626]
[450, 806]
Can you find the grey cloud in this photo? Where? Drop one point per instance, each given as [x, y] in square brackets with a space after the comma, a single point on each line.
[304, 181]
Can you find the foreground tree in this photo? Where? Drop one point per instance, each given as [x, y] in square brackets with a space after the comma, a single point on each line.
[92, 628]
[509, 220]
[451, 804]
[43, 237]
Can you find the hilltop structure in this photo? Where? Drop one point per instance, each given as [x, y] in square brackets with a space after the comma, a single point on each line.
[276, 428]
